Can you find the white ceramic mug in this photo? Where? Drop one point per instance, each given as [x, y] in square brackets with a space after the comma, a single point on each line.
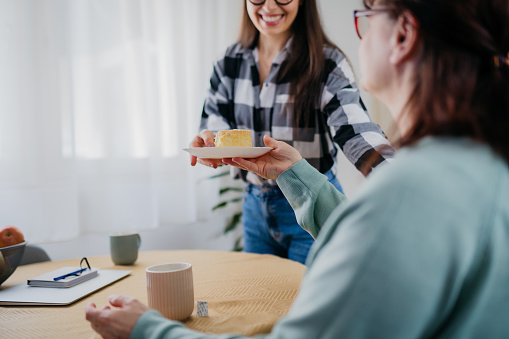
[124, 247]
[170, 290]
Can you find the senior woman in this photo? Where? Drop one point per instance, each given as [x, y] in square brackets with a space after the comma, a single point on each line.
[421, 251]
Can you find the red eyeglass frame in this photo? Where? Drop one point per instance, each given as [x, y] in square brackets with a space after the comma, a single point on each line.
[366, 12]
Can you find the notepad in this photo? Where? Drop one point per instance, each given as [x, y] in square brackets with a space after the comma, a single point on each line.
[63, 279]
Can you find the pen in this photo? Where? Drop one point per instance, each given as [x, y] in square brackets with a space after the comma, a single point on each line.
[69, 274]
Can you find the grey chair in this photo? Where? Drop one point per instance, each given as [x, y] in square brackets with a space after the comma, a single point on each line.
[34, 254]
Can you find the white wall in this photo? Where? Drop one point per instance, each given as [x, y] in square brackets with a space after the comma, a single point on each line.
[338, 21]
[201, 235]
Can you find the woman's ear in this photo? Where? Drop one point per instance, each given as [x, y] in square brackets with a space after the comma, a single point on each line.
[405, 39]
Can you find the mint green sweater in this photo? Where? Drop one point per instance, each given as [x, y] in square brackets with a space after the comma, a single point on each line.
[422, 251]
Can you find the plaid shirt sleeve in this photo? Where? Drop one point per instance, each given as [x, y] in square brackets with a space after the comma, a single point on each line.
[218, 110]
[361, 140]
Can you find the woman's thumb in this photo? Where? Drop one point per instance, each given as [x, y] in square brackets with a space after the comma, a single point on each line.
[269, 142]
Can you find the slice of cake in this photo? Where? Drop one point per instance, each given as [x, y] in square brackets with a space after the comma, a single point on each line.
[233, 138]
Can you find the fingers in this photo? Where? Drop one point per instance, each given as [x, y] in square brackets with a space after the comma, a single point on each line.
[116, 300]
[196, 142]
[99, 319]
[91, 312]
[116, 322]
[204, 139]
[244, 164]
[214, 163]
[128, 304]
[282, 150]
[207, 137]
[229, 161]
[120, 300]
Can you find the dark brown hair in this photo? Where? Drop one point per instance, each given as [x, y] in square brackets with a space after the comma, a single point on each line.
[306, 62]
[460, 90]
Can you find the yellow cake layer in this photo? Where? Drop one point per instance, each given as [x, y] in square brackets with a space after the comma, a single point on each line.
[233, 138]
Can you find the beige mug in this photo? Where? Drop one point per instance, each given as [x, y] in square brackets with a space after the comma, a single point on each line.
[170, 290]
[124, 247]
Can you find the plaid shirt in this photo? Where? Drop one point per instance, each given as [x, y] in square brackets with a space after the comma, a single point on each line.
[236, 100]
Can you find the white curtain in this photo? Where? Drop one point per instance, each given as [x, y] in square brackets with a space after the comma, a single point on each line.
[98, 98]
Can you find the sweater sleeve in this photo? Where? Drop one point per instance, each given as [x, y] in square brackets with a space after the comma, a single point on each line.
[311, 195]
[152, 325]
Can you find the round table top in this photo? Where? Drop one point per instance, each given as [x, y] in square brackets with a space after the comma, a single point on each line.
[246, 293]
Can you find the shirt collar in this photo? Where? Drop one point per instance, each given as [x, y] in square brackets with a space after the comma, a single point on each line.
[280, 56]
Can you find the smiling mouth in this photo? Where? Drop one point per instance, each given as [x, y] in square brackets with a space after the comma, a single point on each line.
[271, 19]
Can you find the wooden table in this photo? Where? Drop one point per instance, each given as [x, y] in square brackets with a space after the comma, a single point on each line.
[246, 293]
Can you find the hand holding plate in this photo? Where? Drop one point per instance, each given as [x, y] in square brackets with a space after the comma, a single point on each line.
[204, 139]
[271, 164]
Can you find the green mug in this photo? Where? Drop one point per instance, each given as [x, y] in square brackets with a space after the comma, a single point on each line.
[124, 248]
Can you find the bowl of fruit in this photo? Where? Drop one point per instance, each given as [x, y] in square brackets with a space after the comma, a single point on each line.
[12, 247]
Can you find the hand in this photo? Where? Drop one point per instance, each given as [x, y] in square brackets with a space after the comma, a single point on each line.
[204, 139]
[119, 322]
[272, 164]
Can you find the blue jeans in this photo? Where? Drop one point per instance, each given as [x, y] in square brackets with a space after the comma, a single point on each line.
[270, 226]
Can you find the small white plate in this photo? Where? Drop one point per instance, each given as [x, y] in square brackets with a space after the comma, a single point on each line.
[227, 152]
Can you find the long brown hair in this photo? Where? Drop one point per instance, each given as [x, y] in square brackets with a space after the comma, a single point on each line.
[462, 88]
[306, 63]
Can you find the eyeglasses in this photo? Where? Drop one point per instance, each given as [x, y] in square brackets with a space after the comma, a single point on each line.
[279, 2]
[361, 19]
[75, 273]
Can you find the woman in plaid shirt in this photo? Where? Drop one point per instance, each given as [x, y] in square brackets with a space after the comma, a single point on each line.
[285, 78]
